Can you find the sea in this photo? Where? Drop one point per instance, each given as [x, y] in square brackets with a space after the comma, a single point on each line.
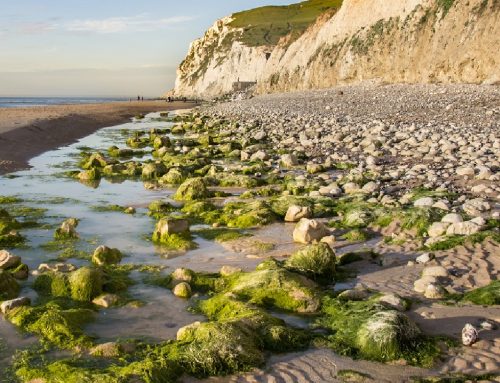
[23, 102]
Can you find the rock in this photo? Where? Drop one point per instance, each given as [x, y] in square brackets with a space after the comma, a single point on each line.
[182, 274]
[104, 255]
[469, 335]
[434, 291]
[315, 261]
[259, 156]
[182, 290]
[57, 267]
[7, 260]
[425, 258]
[309, 230]
[85, 284]
[351, 188]
[437, 229]
[289, 160]
[129, 210]
[435, 271]
[9, 288]
[106, 350]
[465, 171]
[463, 228]
[259, 136]
[229, 270]
[386, 333]
[452, 218]
[356, 218]
[6, 306]
[166, 226]
[354, 295]
[106, 300]
[192, 189]
[442, 205]
[329, 240]
[370, 187]
[393, 301]
[488, 325]
[153, 170]
[314, 168]
[424, 202]
[186, 331]
[421, 284]
[295, 213]
[175, 176]
[20, 272]
[476, 206]
[67, 230]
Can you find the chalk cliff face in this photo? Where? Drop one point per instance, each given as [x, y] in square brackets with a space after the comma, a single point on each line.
[387, 41]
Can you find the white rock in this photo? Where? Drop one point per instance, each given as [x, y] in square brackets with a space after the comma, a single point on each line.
[393, 301]
[469, 335]
[421, 284]
[437, 229]
[424, 202]
[289, 160]
[370, 187]
[309, 230]
[295, 213]
[434, 291]
[465, 171]
[425, 258]
[463, 228]
[7, 260]
[452, 218]
[6, 306]
[442, 204]
[351, 188]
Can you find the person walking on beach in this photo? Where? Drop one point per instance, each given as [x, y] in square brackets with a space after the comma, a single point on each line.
[138, 98]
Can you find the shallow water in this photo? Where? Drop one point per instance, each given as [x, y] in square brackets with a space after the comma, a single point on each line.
[44, 186]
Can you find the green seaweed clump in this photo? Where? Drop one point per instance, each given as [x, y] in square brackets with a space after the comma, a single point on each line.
[315, 261]
[246, 215]
[487, 296]
[192, 189]
[368, 330]
[54, 323]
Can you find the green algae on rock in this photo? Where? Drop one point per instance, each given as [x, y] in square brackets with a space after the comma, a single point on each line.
[193, 189]
[104, 255]
[316, 261]
[9, 288]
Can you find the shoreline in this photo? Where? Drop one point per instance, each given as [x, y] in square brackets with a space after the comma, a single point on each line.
[28, 132]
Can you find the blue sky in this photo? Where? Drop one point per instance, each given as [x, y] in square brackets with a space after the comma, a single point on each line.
[101, 47]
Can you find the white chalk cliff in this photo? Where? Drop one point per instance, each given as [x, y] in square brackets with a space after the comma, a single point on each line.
[392, 41]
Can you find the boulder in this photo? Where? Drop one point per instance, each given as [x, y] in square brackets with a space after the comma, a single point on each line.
[437, 229]
[393, 301]
[314, 168]
[295, 213]
[153, 170]
[8, 260]
[425, 258]
[354, 294]
[452, 218]
[475, 207]
[167, 226]
[356, 218]
[463, 228]
[309, 230]
[434, 291]
[385, 334]
[424, 202]
[183, 274]
[9, 288]
[106, 300]
[67, 230]
[182, 290]
[259, 156]
[192, 189]
[104, 255]
[370, 187]
[9, 305]
[229, 270]
[351, 188]
[85, 284]
[289, 160]
[315, 261]
[421, 284]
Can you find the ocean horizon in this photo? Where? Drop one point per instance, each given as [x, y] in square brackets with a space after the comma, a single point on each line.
[23, 102]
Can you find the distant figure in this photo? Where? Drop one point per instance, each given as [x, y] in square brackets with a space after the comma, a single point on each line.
[138, 98]
[142, 98]
[184, 99]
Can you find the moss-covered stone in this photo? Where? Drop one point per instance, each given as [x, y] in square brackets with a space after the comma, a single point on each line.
[182, 290]
[315, 261]
[246, 215]
[67, 230]
[153, 170]
[104, 255]
[85, 284]
[277, 288]
[9, 288]
[175, 176]
[192, 189]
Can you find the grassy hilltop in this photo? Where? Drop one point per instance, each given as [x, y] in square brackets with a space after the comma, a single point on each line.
[266, 25]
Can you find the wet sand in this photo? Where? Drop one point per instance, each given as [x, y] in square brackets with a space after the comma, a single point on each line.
[28, 132]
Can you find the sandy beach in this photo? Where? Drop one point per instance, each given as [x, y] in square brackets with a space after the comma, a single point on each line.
[28, 132]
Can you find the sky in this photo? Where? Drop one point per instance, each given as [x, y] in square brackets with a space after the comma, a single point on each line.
[105, 48]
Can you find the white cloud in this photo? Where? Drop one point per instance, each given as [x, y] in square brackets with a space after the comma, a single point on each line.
[124, 24]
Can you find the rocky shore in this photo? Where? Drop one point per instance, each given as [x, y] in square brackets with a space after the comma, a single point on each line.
[354, 230]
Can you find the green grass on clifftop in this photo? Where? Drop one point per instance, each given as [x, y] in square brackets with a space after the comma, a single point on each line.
[266, 25]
